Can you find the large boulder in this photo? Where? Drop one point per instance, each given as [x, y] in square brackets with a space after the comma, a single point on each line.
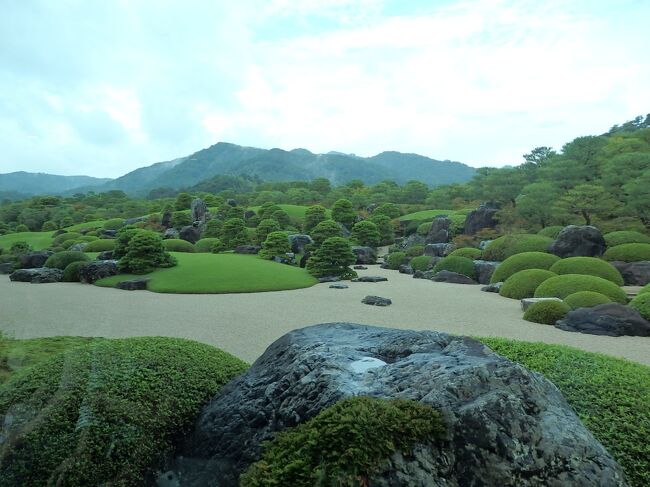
[105, 255]
[484, 270]
[190, 233]
[247, 249]
[133, 284]
[166, 219]
[299, 242]
[6, 268]
[506, 425]
[611, 319]
[439, 231]
[634, 273]
[97, 269]
[410, 241]
[437, 249]
[170, 233]
[483, 217]
[365, 255]
[39, 275]
[33, 260]
[579, 241]
[198, 211]
[452, 277]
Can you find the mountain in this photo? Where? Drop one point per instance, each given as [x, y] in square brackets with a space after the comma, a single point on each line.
[21, 183]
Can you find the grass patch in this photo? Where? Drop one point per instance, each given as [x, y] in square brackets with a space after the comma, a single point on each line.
[37, 240]
[203, 273]
[92, 225]
[425, 215]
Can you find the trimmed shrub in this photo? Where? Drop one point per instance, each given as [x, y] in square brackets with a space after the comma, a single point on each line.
[108, 412]
[391, 210]
[325, 230]
[213, 228]
[49, 226]
[276, 243]
[100, 245]
[343, 212]
[590, 266]
[523, 284]
[265, 227]
[396, 259]
[415, 250]
[508, 245]
[625, 237]
[642, 304]
[19, 248]
[212, 245]
[520, 262]
[562, 286]
[546, 312]
[645, 289]
[631, 252]
[460, 265]
[421, 263]
[423, 228]
[113, 224]
[344, 444]
[178, 245]
[61, 260]
[123, 237]
[385, 228]
[69, 243]
[586, 299]
[469, 252]
[234, 233]
[551, 232]
[313, 216]
[181, 219]
[282, 217]
[65, 236]
[22, 228]
[365, 233]
[332, 258]
[144, 253]
[71, 272]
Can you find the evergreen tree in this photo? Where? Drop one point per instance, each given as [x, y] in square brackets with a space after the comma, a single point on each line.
[343, 212]
[276, 244]
[333, 258]
[234, 233]
[325, 230]
[366, 233]
[313, 216]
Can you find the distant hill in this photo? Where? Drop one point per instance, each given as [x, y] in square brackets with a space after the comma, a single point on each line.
[21, 183]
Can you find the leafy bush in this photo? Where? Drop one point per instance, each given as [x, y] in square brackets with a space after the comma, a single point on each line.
[631, 252]
[391, 210]
[100, 245]
[144, 253]
[65, 236]
[313, 216]
[562, 286]
[589, 266]
[642, 304]
[396, 259]
[213, 228]
[177, 245]
[265, 227]
[469, 252]
[523, 284]
[332, 258]
[71, 272]
[181, 219]
[645, 289]
[415, 250]
[123, 237]
[276, 243]
[325, 230]
[212, 245]
[282, 217]
[113, 224]
[457, 223]
[343, 212]
[61, 260]
[586, 299]
[421, 263]
[546, 312]
[625, 237]
[19, 248]
[49, 226]
[366, 233]
[508, 245]
[423, 228]
[551, 232]
[385, 227]
[69, 243]
[234, 233]
[22, 228]
[519, 262]
[344, 444]
[460, 265]
[106, 413]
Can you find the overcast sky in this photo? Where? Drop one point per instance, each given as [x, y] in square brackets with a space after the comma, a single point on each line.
[101, 87]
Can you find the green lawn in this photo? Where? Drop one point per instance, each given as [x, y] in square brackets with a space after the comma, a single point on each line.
[38, 240]
[294, 211]
[425, 215]
[221, 273]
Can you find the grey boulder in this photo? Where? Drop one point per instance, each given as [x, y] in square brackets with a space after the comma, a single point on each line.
[611, 319]
[133, 285]
[437, 249]
[376, 301]
[39, 275]
[33, 260]
[299, 242]
[439, 231]
[190, 233]
[492, 288]
[484, 270]
[405, 269]
[6, 268]
[96, 270]
[579, 241]
[452, 277]
[170, 233]
[105, 255]
[365, 255]
[634, 273]
[370, 279]
[483, 217]
[338, 285]
[247, 249]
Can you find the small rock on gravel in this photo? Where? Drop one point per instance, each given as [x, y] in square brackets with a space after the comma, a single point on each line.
[376, 301]
[338, 286]
[370, 279]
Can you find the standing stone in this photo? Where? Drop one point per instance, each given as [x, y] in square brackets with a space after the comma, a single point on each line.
[96, 270]
[199, 211]
[484, 270]
[437, 249]
[579, 241]
[439, 231]
[299, 242]
[166, 220]
[190, 233]
[365, 255]
[483, 217]
[32, 260]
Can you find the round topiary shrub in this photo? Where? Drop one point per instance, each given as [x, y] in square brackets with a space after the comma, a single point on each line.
[642, 304]
[396, 259]
[469, 252]
[106, 413]
[460, 265]
[586, 299]
[519, 262]
[325, 230]
[71, 272]
[332, 258]
[590, 266]
[276, 244]
[65, 236]
[100, 245]
[508, 245]
[365, 233]
[546, 312]
[522, 284]
[562, 286]
[423, 228]
[61, 260]
[113, 224]
[265, 227]
[344, 443]
[144, 253]
[631, 252]
[551, 232]
[178, 245]
[625, 237]
[415, 250]
[22, 228]
[212, 245]
[421, 263]
[645, 289]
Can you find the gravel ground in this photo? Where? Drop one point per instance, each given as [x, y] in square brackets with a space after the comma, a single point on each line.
[245, 324]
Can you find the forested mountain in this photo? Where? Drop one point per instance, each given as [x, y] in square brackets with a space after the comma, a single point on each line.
[21, 183]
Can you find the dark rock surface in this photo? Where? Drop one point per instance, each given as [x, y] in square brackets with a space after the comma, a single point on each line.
[248, 214]
[6, 268]
[484, 243]
[33, 260]
[78, 247]
[365, 255]
[299, 242]
[198, 210]
[424, 274]
[133, 285]
[376, 301]
[360, 267]
[482, 217]
[247, 249]
[338, 285]
[437, 249]
[232, 202]
[190, 233]
[166, 219]
[579, 241]
[492, 288]
[410, 241]
[96, 270]
[329, 279]
[305, 257]
[170, 233]
[452, 277]
[507, 426]
[611, 319]
[484, 270]
[405, 269]
[634, 273]
[39, 275]
[370, 279]
[105, 255]
[439, 231]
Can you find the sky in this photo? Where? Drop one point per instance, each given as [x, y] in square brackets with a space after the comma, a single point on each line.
[102, 87]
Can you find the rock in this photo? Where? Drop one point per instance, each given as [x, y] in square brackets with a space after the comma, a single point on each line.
[6, 268]
[376, 301]
[634, 273]
[370, 279]
[299, 242]
[133, 285]
[232, 202]
[372, 207]
[365, 255]
[506, 425]
[360, 268]
[611, 319]
[39, 275]
[484, 270]
[170, 233]
[579, 241]
[482, 217]
[439, 231]
[492, 288]
[97, 269]
[303, 260]
[248, 214]
[284, 259]
[437, 249]
[105, 255]
[484, 243]
[528, 302]
[424, 274]
[131, 221]
[329, 279]
[338, 285]
[405, 269]
[198, 210]
[166, 219]
[345, 230]
[190, 233]
[452, 277]
[33, 260]
[109, 233]
[410, 241]
[78, 247]
[247, 249]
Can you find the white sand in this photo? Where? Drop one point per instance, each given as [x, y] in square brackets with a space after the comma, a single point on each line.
[245, 324]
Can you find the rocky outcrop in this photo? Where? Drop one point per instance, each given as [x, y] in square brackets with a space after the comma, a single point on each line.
[133, 285]
[579, 241]
[483, 217]
[506, 425]
[492, 288]
[299, 242]
[170, 233]
[452, 277]
[437, 249]
[39, 275]
[611, 319]
[439, 231]
[634, 273]
[365, 255]
[410, 241]
[97, 269]
[33, 260]
[198, 211]
[190, 233]
[376, 301]
[484, 270]
[405, 269]
[105, 255]
[166, 219]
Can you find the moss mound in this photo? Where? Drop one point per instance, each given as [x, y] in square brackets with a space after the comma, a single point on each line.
[65, 237]
[61, 260]
[523, 284]
[645, 289]
[469, 252]
[100, 245]
[520, 262]
[213, 245]
[562, 286]
[642, 304]
[631, 252]
[105, 413]
[590, 266]
[421, 263]
[344, 444]
[178, 245]
[586, 299]
[551, 232]
[415, 250]
[396, 259]
[546, 312]
[508, 245]
[71, 272]
[625, 237]
[460, 265]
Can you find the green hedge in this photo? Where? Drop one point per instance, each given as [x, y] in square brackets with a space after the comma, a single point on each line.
[631, 252]
[71, 272]
[642, 304]
[205, 245]
[546, 312]
[415, 250]
[590, 266]
[106, 413]
[586, 299]
[523, 284]
[645, 289]
[624, 237]
[460, 265]
[562, 286]
[64, 237]
[113, 224]
[61, 260]
[508, 245]
[396, 259]
[421, 263]
[551, 232]
[469, 252]
[101, 245]
[520, 262]
[178, 245]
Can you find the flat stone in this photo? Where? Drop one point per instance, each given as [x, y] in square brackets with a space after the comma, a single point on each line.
[528, 302]
[452, 278]
[329, 279]
[39, 275]
[360, 267]
[370, 279]
[339, 285]
[611, 319]
[133, 285]
[492, 288]
[376, 301]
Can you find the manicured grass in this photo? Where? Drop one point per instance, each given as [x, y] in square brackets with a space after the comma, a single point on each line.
[92, 225]
[38, 240]
[425, 215]
[610, 395]
[221, 273]
[294, 211]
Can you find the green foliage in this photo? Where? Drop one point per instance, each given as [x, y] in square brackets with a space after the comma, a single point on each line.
[105, 413]
[546, 312]
[212, 245]
[264, 228]
[385, 228]
[522, 284]
[625, 237]
[71, 272]
[19, 248]
[551, 232]
[642, 304]
[181, 219]
[313, 216]
[332, 258]
[562, 286]
[631, 252]
[100, 245]
[457, 223]
[266, 210]
[423, 215]
[460, 265]
[213, 228]
[421, 263]
[49, 226]
[183, 202]
[324, 230]
[282, 217]
[535, 202]
[177, 245]
[610, 396]
[366, 233]
[343, 212]
[391, 210]
[423, 228]
[61, 260]
[276, 244]
[22, 228]
[415, 250]
[344, 444]
[234, 233]
[587, 201]
[589, 266]
[145, 252]
[122, 239]
[113, 224]
[396, 259]
[65, 237]
[469, 252]
[509, 245]
[586, 299]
